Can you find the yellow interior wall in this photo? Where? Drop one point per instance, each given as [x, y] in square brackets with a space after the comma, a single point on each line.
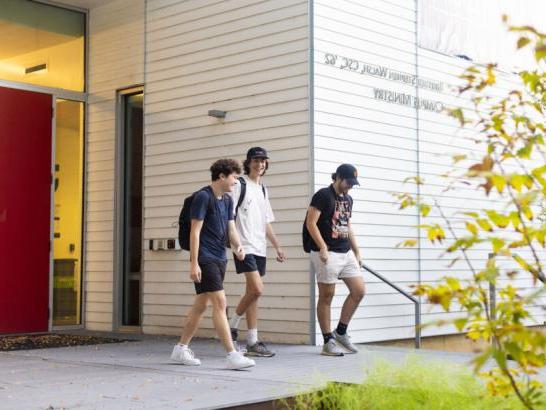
[68, 196]
[64, 66]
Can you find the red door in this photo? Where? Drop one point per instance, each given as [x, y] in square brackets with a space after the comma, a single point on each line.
[25, 198]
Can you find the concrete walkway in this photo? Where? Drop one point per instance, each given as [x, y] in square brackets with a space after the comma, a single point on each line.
[139, 374]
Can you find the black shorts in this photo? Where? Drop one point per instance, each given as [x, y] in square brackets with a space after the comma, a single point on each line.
[250, 263]
[213, 272]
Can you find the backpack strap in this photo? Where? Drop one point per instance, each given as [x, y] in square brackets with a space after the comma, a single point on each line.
[241, 194]
[211, 198]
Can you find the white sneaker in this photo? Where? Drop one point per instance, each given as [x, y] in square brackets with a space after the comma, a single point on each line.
[184, 355]
[331, 349]
[235, 360]
[345, 341]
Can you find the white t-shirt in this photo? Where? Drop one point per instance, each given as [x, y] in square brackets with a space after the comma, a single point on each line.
[252, 217]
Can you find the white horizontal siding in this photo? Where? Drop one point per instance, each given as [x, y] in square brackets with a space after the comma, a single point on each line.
[249, 58]
[351, 126]
[388, 143]
[116, 60]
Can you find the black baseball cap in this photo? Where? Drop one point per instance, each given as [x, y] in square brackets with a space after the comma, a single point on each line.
[256, 152]
[348, 172]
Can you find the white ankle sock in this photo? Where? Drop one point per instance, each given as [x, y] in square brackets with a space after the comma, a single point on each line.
[183, 346]
[234, 321]
[251, 337]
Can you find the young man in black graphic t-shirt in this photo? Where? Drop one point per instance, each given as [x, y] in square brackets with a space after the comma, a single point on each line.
[335, 255]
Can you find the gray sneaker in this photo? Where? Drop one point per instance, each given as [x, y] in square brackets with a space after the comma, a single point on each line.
[331, 349]
[345, 341]
[259, 349]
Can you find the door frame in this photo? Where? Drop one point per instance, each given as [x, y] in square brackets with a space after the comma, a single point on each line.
[80, 97]
[117, 311]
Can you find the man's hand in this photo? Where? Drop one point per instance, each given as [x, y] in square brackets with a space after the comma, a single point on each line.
[240, 253]
[280, 255]
[323, 255]
[195, 273]
[360, 263]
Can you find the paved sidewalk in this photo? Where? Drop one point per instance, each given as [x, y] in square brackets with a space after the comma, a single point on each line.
[139, 374]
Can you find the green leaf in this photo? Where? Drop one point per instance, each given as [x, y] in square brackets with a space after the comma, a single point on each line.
[499, 182]
[460, 323]
[407, 243]
[502, 221]
[458, 158]
[425, 209]
[484, 224]
[457, 113]
[523, 41]
[497, 243]
[473, 229]
[540, 51]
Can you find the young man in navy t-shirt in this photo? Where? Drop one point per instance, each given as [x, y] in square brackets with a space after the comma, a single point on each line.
[335, 255]
[212, 222]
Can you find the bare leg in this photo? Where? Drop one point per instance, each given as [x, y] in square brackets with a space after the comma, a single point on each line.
[356, 293]
[193, 318]
[249, 302]
[218, 300]
[326, 294]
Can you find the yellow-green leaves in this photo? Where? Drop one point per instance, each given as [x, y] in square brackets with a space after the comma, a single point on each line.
[500, 220]
[435, 233]
[457, 113]
[511, 176]
[498, 244]
[499, 182]
[522, 42]
[407, 243]
[473, 229]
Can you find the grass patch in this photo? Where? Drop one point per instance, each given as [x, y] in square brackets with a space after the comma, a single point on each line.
[414, 385]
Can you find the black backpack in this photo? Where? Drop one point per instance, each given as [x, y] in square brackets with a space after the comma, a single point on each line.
[307, 240]
[243, 193]
[184, 220]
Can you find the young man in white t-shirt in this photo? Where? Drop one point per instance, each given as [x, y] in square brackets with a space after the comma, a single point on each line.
[253, 218]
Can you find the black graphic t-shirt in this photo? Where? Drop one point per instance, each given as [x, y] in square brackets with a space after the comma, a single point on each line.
[333, 223]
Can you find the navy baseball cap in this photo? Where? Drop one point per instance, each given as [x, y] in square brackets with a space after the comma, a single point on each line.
[256, 152]
[348, 172]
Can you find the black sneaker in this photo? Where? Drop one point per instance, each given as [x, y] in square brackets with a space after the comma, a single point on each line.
[259, 349]
[234, 335]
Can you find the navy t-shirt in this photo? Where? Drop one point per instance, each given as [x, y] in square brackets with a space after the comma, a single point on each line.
[215, 224]
[333, 223]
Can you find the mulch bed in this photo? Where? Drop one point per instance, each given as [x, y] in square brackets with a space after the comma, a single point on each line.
[9, 343]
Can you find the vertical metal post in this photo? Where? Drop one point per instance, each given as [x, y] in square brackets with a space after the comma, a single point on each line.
[492, 295]
[417, 325]
[492, 300]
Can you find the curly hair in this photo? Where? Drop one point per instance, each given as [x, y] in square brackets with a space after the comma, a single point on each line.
[246, 166]
[224, 166]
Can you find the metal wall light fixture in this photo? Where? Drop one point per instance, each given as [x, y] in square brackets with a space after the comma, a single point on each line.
[217, 113]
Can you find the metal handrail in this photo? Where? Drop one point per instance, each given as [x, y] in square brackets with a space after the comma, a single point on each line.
[410, 297]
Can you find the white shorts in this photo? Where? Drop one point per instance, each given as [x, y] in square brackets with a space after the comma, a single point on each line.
[339, 266]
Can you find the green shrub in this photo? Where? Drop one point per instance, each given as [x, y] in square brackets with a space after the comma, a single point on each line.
[414, 385]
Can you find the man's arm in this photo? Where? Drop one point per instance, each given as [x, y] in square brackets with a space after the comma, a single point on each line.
[235, 241]
[354, 245]
[195, 232]
[313, 215]
[270, 233]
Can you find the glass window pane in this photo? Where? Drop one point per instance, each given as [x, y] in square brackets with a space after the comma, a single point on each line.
[132, 227]
[42, 45]
[67, 247]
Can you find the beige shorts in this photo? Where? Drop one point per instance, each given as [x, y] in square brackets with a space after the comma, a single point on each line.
[339, 266]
